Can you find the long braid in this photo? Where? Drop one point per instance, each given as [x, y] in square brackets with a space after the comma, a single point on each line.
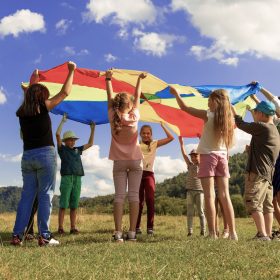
[120, 102]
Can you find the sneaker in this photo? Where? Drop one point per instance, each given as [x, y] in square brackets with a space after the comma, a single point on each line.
[74, 231]
[232, 237]
[16, 241]
[50, 241]
[190, 233]
[260, 237]
[225, 234]
[150, 231]
[60, 231]
[118, 237]
[131, 236]
[138, 231]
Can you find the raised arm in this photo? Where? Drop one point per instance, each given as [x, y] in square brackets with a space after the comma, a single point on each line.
[166, 140]
[202, 114]
[65, 90]
[138, 89]
[184, 154]
[33, 80]
[109, 88]
[59, 129]
[91, 137]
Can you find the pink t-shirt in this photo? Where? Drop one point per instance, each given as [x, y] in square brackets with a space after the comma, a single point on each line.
[125, 145]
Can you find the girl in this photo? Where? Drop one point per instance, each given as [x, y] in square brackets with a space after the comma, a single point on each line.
[216, 139]
[38, 162]
[125, 152]
[147, 186]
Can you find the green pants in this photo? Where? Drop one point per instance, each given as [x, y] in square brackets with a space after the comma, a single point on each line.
[70, 191]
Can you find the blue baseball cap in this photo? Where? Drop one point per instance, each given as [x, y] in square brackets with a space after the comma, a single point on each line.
[266, 107]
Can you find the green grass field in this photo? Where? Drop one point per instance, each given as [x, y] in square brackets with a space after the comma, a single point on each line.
[169, 254]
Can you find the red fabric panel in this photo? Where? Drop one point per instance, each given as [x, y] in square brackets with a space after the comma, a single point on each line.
[82, 77]
[188, 125]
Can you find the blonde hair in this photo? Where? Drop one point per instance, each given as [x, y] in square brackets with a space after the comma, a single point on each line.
[120, 103]
[223, 119]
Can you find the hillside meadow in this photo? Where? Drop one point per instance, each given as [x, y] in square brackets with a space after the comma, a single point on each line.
[169, 254]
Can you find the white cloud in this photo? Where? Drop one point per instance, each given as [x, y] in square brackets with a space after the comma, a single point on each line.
[62, 26]
[72, 51]
[121, 12]
[22, 21]
[10, 158]
[241, 140]
[110, 58]
[236, 27]
[3, 98]
[155, 44]
[38, 59]
[203, 53]
[123, 33]
[94, 164]
[67, 5]
[166, 167]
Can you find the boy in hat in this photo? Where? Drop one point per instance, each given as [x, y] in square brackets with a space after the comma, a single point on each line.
[195, 196]
[71, 173]
[262, 155]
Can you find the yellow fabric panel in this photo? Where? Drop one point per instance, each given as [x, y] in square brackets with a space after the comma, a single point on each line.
[78, 93]
[150, 84]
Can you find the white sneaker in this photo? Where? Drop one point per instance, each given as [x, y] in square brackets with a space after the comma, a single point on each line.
[131, 236]
[50, 241]
[225, 235]
[118, 237]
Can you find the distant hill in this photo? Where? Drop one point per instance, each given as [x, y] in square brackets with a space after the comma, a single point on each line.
[170, 194]
[10, 196]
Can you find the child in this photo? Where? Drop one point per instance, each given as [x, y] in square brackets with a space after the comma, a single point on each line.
[38, 162]
[216, 139]
[147, 186]
[195, 195]
[263, 152]
[125, 152]
[276, 176]
[71, 174]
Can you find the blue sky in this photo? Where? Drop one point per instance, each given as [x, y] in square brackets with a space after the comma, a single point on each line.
[181, 41]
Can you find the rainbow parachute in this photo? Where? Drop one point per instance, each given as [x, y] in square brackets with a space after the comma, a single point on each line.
[88, 99]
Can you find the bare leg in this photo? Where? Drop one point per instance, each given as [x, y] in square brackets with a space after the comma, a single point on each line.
[223, 192]
[259, 221]
[209, 197]
[73, 217]
[217, 226]
[61, 217]
[268, 221]
[276, 210]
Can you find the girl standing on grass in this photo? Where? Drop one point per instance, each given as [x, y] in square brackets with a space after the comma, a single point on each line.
[125, 152]
[38, 162]
[147, 186]
[216, 139]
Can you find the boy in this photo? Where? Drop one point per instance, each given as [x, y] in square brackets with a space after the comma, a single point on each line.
[71, 172]
[262, 155]
[195, 196]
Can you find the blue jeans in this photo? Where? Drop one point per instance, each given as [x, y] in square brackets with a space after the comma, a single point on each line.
[39, 173]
